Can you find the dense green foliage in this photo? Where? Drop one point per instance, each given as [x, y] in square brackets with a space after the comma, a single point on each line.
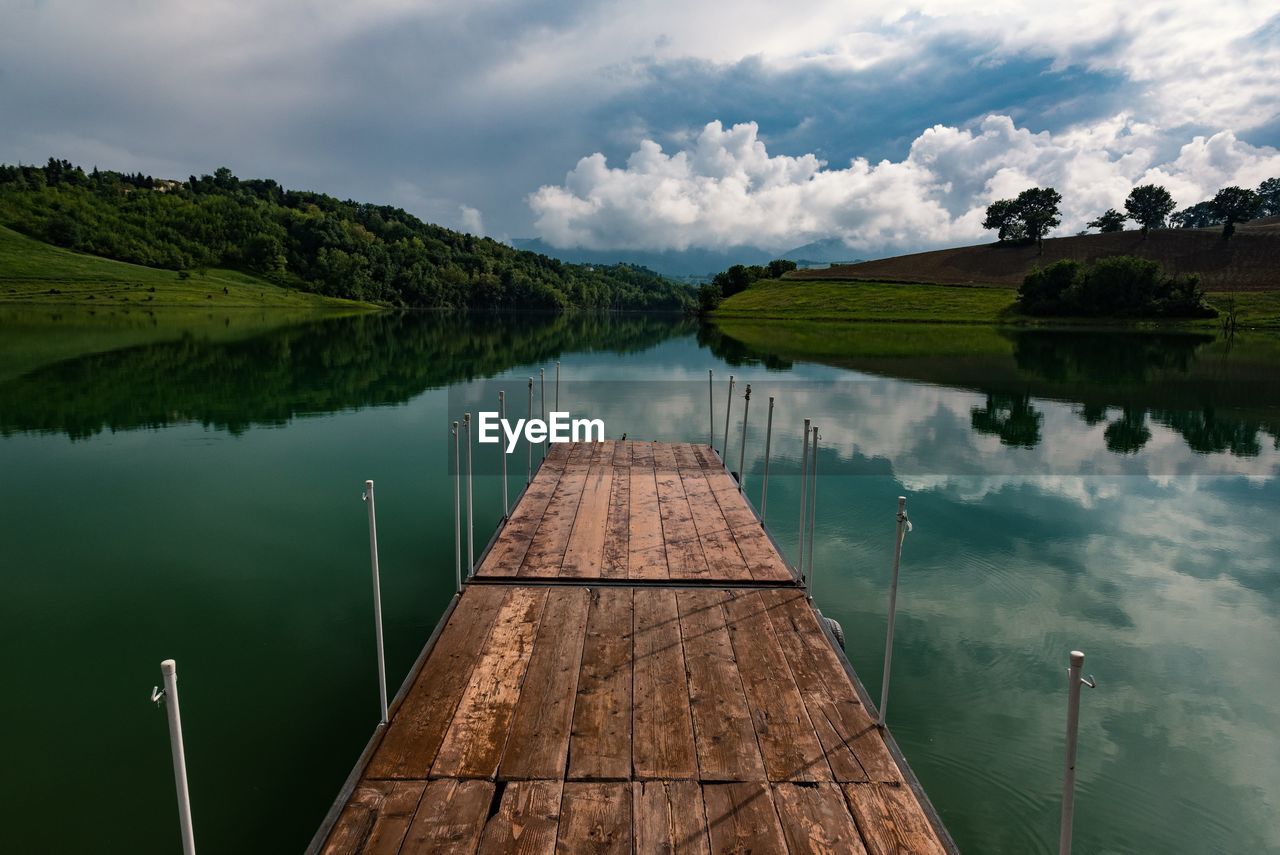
[1149, 205]
[1235, 205]
[1231, 205]
[1110, 220]
[737, 279]
[306, 240]
[1117, 286]
[1028, 217]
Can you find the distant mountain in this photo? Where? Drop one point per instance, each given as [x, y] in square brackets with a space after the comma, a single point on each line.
[695, 264]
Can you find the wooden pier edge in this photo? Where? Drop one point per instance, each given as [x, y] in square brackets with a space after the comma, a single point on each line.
[352, 781]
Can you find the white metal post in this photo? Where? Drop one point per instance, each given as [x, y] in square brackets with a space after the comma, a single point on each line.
[457, 506]
[502, 449]
[893, 606]
[727, 407]
[557, 385]
[768, 437]
[542, 403]
[169, 671]
[813, 502]
[529, 445]
[711, 408]
[804, 492]
[742, 449]
[377, 597]
[471, 508]
[1074, 682]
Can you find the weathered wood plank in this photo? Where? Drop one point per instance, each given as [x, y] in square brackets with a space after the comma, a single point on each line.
[595, 818]
[707, 458]
[741, 818]
[724, 737]
[616, 553]
[854, 746]
[450, 817]
[664, 457]
[787, 739]
[508, 553]
[761, 558]
[662, 729]
[891, 820]
[527, 820]
[622, 452]
[584, 554]
[356, 820]
[707, 516]
[816, 820]
[724, 559]
[546, 550]
[600, 745]
[686, 457]
[642, 454]
[684, 552]
[393, 820]
[669, 818]
[538, 744]
[413, 738]
[477, 735]
[646, 552]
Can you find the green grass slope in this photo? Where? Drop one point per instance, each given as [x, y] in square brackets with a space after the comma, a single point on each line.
[36, 272]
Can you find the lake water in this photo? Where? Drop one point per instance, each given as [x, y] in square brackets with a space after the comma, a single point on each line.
[189, 487]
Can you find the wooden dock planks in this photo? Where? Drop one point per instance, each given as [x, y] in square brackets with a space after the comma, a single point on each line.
[626, 702]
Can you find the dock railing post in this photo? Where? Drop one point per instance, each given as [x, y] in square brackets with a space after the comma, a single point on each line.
[502, 449]
[169, 696]
[529, 445]
[804, 491]
[1074, 682]
[742, 449]
[471, 508]
[904, 525]
[377, 597]
[768, 437]
[711, 408]
[557, 405]
[457, 506]
[813, 502]
[542, 403]
[727, 407]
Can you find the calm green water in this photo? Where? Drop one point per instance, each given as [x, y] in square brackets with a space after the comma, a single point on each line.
[189, 488]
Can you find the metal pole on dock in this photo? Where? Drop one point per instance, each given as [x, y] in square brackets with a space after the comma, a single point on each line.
[727, 407]
[557, 385]
[903, 527]
[711, 408]
[768, 437]
[804, 491]
[457, 506]
[813, 502]
[377, 597]
[742, 449]
[169, 696]
[471, 508]
[542, 403]
[529, 445]
[502, 449]
[1074, 682]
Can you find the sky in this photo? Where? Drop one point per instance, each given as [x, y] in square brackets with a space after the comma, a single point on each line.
[660, 125]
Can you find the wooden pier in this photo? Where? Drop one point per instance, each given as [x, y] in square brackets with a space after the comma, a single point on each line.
[632, 668]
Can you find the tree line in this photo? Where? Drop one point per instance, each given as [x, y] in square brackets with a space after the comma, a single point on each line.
[307, 240]
[738, 278]
[1035, 211]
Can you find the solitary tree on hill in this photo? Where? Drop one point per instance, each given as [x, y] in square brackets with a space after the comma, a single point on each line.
[1148, 206]
[1038, 210]
[1269, 194]
[1110, 221]
[1234, 205]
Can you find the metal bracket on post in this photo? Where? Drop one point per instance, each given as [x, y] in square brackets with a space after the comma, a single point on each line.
[742, 449]
[377, 597]
[768, 438]
[169, 697]
[904, 526]
[502, 449]
[1074, 682]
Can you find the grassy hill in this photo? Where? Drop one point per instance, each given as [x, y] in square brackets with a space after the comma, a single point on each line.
[1250, 261]
[36, 272]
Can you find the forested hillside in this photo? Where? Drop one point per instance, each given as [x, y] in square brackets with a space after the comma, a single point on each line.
[306, 240]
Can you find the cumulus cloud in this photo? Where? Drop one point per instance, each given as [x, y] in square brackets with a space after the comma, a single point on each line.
[724, 188]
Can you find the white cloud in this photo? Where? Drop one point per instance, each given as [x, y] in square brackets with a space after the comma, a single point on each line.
[725, 189]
